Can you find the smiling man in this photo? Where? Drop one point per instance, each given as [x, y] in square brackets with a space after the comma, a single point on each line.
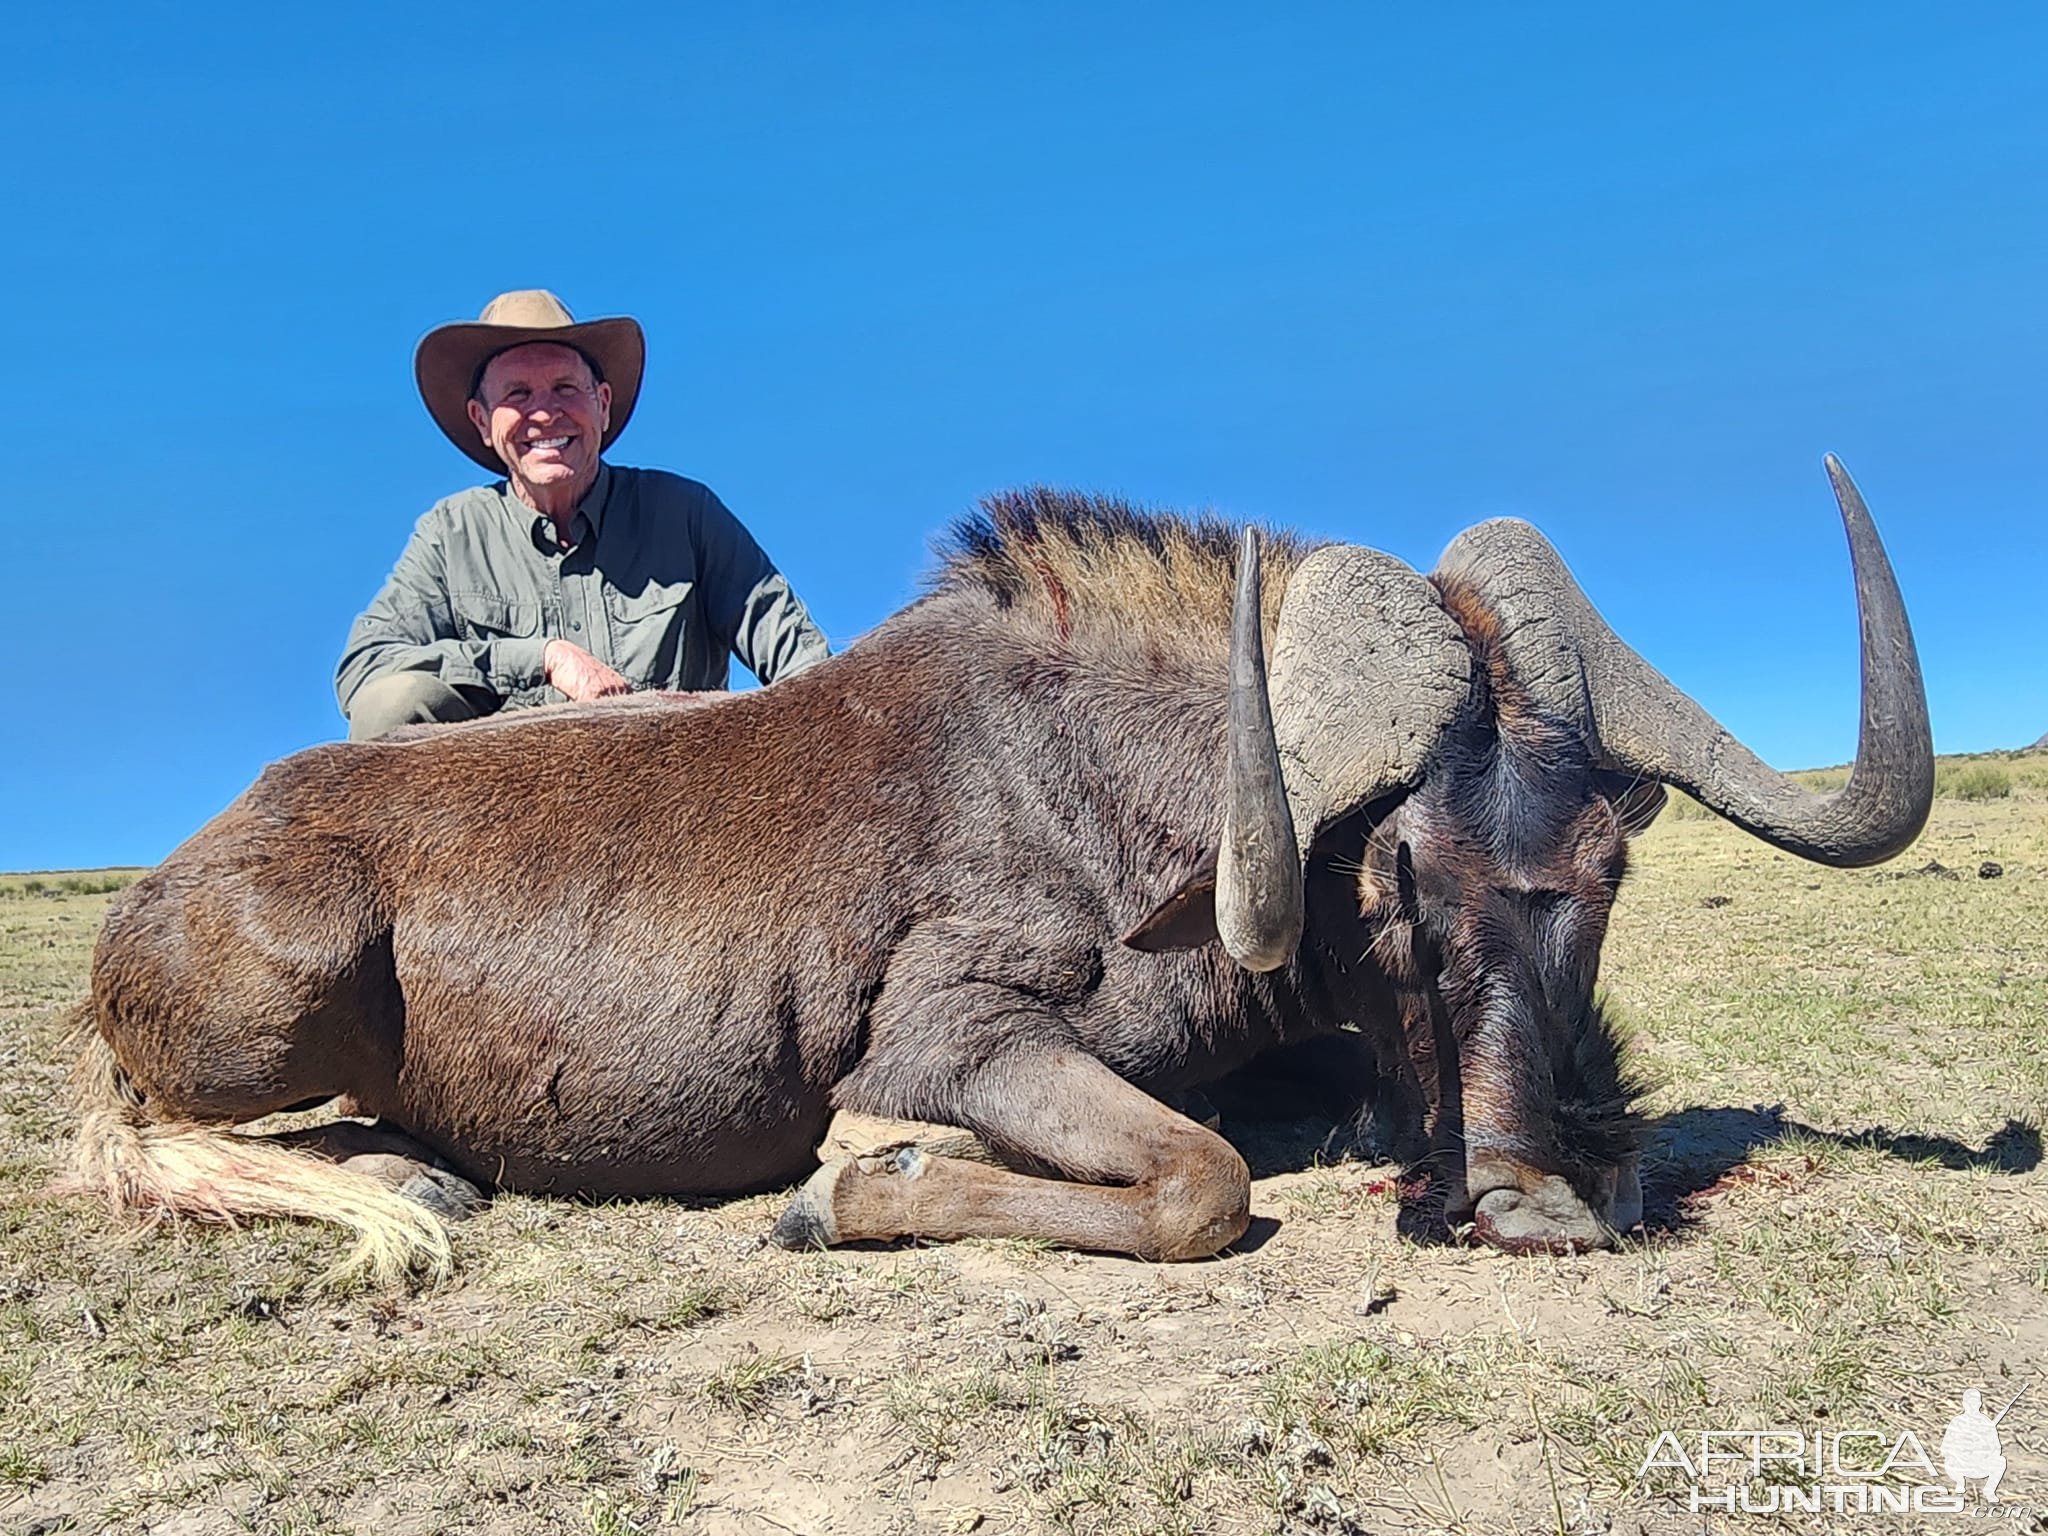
[570, 577]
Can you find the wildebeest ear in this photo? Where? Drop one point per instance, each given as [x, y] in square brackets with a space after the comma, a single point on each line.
[1186, 919]
[1636, 801]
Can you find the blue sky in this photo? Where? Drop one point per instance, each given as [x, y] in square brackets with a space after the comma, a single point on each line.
[1374, 271]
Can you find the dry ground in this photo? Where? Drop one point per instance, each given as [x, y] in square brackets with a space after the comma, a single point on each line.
[1852, 1228]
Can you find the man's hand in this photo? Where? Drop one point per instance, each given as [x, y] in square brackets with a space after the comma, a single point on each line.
[578, 674]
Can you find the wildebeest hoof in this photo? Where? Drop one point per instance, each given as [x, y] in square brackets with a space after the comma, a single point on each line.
[808, 1223]
[448, 1195]
[1551, 1218]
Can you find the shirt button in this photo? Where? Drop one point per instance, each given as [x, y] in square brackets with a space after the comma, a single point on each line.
[575, 623]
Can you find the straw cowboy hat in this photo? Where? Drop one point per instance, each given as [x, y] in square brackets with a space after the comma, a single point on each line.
[451, 358]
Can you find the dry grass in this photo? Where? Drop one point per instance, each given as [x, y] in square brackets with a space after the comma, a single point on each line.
[84, 882]
[1855, 1228]
[1985, 776]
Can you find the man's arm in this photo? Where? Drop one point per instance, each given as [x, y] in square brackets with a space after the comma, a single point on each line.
[748, 603]
[411, 626]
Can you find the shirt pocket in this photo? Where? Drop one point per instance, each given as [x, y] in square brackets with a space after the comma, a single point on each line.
[487, 616]
[649, 631]
[655, 598]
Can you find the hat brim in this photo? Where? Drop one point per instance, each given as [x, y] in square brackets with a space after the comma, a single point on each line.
[449, 356]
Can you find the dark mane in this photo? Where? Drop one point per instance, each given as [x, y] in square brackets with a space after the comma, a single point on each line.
[1078, 561]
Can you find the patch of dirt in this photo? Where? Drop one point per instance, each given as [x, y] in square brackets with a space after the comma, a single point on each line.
[1933, 869]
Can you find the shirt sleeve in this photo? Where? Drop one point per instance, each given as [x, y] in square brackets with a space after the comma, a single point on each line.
[747, 602]
[410, 626]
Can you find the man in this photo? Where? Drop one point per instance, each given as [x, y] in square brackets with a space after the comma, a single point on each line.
[570, 577]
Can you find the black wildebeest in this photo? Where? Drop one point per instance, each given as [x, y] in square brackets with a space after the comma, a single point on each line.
[970, 871]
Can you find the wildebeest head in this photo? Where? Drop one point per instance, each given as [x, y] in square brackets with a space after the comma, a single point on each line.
[1486, 892]
[1501, 743]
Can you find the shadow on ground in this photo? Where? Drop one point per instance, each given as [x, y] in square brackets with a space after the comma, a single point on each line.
[1687, 1156]
[1692, 1152]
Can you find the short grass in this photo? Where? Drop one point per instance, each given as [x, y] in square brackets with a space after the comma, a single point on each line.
[82, 882]
[1985, 776]
[1851, 1069]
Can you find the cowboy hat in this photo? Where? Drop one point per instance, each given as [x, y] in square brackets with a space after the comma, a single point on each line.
[451, 359]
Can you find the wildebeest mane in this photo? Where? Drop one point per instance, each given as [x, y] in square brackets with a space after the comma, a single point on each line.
[1080, 561]
[1514, 714]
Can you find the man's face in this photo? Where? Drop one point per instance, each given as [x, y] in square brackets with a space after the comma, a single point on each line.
[543, 414]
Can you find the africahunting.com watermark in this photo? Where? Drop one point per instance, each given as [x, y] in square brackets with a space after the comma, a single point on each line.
[1838, 1471]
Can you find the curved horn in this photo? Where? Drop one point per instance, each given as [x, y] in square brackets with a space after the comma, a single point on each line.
[1367, 671]
[1575, 668]
[1258, 866]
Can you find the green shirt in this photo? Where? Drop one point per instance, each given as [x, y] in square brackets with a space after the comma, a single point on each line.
[661, 583]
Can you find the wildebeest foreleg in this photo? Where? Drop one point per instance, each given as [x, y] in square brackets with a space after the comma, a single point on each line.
[1147, 1181]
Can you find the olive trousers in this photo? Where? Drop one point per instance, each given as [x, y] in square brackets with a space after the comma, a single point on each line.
[383, 704]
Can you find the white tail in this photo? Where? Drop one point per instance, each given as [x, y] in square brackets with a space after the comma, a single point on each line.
[214, 1174]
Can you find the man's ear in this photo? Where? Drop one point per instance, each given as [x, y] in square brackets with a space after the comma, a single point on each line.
[1636, 803]
[1186, 919]
[481, 420]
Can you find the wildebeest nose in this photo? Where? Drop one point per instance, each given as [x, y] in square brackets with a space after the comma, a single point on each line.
[1547, 1218]
[1521, 1210]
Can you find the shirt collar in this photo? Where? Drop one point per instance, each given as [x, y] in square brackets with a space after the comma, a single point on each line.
[588, 522]
[591, 507]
